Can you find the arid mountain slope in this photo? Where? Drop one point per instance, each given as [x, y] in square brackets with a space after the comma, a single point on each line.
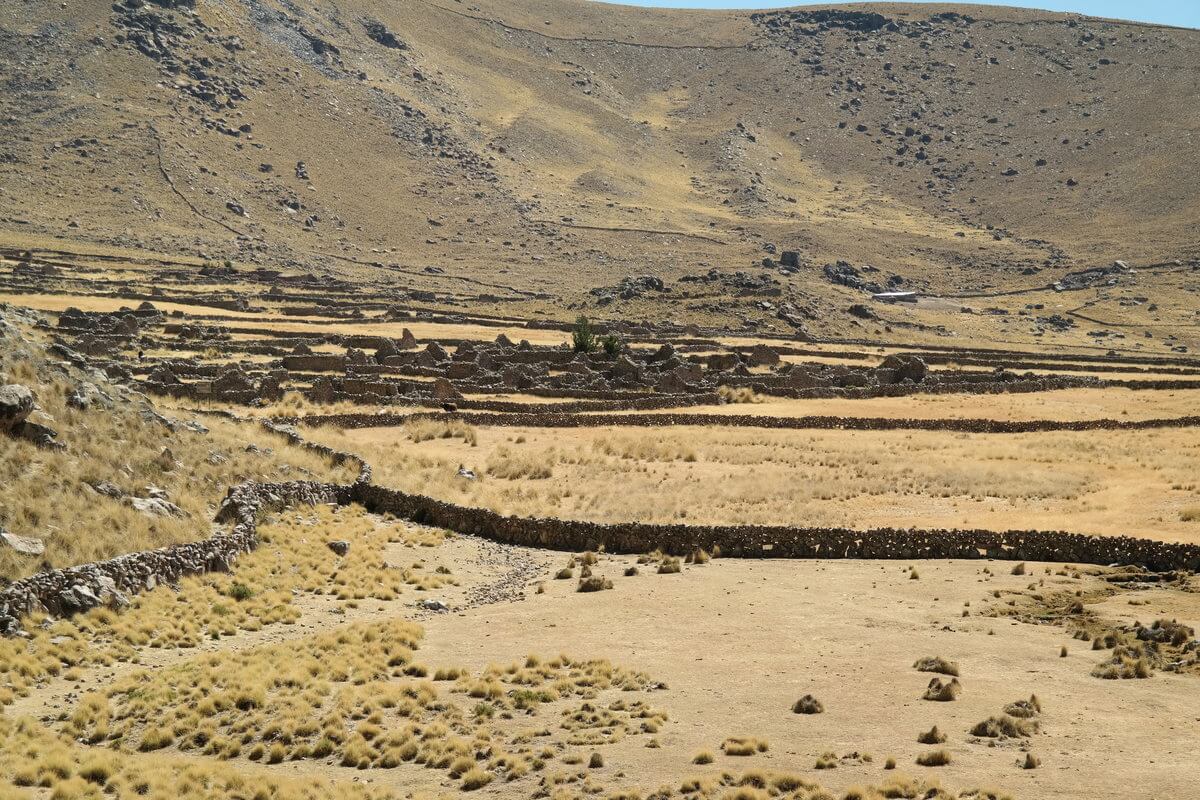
[554, 146]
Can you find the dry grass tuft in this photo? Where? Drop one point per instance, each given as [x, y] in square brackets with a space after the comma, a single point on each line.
[1004, 727]
[1126, 662]
[594, 583]
[738, 394]
[932, 736]
[670, 566]
[936, 664]
[1024, 709]
[426, 429]
[808, 705]
[934, 758]
[512, 465]
[942, 692]
[744, 746]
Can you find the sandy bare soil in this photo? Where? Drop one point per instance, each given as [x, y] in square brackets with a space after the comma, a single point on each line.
[736, 642]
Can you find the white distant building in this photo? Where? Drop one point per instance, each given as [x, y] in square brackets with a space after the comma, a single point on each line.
[895, 297]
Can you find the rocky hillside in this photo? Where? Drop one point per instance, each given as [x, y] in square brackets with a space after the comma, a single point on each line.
[92, 469]
[542, 149]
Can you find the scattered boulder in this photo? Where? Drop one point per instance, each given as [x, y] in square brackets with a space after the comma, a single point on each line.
[340, 547]
[16, 403]
[107, 488]
[762, 355]
[901, 367]
[444, 390]
[155, 507]
[86, 395]
[25, 545]
[430, 604]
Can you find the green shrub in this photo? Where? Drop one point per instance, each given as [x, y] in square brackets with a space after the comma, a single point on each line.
[583, 338]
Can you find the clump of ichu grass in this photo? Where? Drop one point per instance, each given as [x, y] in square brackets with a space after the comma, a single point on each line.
[512, 465]
[1024, 709]
[1126, 662]
[942, 691]
[669, 566]
[1004, 727]
[808, 705]
[738, 394]
[936, 664]
[744, 746]
[931, 736]
[424, 429]
[934, 758]
[594, 583]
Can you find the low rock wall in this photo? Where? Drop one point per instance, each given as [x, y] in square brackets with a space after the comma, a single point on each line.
[67, 591]
[540, 419]
[756, 541]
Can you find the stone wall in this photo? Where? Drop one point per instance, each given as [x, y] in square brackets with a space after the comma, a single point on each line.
[545, 419]
[757, 541]
[74, 589]
[67, 591]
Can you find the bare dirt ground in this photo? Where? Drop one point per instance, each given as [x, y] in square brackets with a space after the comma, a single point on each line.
[736, 642]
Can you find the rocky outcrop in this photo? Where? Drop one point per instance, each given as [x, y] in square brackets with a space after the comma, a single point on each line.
[16, 403]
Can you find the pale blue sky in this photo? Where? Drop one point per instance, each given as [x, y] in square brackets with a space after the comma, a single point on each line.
[1168, 12]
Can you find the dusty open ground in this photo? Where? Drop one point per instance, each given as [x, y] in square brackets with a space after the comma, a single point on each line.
[730, 645]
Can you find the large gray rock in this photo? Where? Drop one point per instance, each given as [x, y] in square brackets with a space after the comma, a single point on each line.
[762, 355]
[444, 390]
[86, 395]
[16, 403]
[155, 507]
[25, 545]
[901, 367]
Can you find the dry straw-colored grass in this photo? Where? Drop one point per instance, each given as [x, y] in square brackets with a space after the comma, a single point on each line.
[122, 446]
[55, 767]
[1059, 480]
[942, 691]
[292, 561]
[936, 664]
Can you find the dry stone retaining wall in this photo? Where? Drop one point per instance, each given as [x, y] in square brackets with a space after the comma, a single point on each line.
[757, 541]
[66, 591]
[79, 588]
[540, 419]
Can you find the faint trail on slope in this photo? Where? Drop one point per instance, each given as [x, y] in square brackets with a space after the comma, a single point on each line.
[170, 182]
[585, 39]
[653, 231]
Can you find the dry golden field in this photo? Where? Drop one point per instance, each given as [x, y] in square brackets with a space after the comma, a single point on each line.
[1105, 482]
